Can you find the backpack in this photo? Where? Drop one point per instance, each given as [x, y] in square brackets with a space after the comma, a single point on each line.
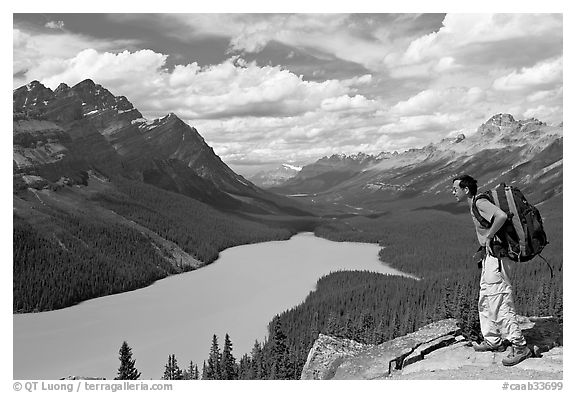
[522, 237]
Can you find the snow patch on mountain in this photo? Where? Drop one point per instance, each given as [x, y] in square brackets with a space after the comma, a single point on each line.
[295, 168]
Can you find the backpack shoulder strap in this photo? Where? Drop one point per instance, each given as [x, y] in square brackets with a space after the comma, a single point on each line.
[484, 222]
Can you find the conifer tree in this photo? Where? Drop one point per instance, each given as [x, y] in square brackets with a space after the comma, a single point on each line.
[279, 360]
[257, 367]
[172, 371]
[228, 365]
[245, 368]
[191, 372]
[214, 360]
[127, 370]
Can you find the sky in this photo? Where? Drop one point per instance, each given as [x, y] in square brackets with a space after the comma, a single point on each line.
[264, 89]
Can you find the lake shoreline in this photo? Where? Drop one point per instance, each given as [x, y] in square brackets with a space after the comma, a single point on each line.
[239, 293]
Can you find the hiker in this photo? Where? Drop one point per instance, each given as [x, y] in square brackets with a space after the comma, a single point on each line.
[495, 303]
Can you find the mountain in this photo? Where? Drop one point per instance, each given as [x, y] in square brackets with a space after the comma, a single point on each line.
[71, 130]
[106, 201]
[527, 153]
[325, 173]
[275, 176]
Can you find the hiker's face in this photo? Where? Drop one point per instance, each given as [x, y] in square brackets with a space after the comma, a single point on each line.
[459, 193]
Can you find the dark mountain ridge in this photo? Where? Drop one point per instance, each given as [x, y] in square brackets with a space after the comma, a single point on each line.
[104, 133]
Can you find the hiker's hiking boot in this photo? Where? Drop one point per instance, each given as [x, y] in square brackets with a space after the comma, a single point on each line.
[484, 346]
[516, 355]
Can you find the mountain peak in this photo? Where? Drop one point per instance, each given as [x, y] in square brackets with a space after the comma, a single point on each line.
[502, 122]
[501, 118]
[34, 85]
[85, 83]
[62, 88]
[31, 97]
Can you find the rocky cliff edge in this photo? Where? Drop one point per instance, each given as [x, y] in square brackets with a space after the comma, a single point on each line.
[437, 351]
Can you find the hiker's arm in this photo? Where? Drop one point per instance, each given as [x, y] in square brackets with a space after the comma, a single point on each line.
[499, 219]
[494, 214]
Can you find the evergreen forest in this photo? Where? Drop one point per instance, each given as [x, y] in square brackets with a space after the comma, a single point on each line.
[62, 256]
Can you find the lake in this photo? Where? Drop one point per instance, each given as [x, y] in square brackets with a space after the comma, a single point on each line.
[238, 294]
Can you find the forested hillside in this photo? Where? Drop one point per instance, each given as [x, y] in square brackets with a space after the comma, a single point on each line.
[64, 255]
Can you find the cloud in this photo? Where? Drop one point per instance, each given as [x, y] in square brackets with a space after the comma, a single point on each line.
[438, 100]
[58, 25]
[230, 89]
[545, 73]
[32, 51]
[353, 38]
[341, 103]
[478, 42]
[107, 68]
[545, 95]
[463, 30]
[542, 112]
[423, 123]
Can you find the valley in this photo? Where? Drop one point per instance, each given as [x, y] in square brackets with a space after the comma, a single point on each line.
[106, 202]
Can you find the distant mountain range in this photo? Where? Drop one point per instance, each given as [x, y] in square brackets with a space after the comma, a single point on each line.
[275, 176]
[528, 153]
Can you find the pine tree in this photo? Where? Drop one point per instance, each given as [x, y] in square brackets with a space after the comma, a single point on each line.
[228, 365]
[172, 371]
[204, 370]
[245, 367]
[191, 372]
[212, 370]
[127, 370]
[279, 360]
[257, 369]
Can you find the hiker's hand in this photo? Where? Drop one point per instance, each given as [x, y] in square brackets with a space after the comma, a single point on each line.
[488, 246]
[479, 256]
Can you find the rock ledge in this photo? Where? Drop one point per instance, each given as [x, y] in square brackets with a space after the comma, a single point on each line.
[436, 351]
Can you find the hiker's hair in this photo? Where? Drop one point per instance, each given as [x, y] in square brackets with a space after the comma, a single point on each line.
[467, 181]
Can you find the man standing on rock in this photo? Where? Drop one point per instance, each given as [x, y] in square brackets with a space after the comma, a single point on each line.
[495, 304]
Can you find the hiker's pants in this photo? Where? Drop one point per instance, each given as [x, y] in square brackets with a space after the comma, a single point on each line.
[496, 303]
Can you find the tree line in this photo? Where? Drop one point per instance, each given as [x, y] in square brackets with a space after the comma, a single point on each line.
[270, 360]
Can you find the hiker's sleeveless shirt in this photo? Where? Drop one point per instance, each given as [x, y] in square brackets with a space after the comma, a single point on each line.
[487, 210]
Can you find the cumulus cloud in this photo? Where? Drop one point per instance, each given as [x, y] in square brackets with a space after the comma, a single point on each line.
[58, 25]
[544, 73]
[438, 100]
[229, 89]
[348, 37]
[32, 51]
[430, 123]
[462, 30]
[545, 95]
[358, 102]
[477, 40]
[104, 67]
[542, 112]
